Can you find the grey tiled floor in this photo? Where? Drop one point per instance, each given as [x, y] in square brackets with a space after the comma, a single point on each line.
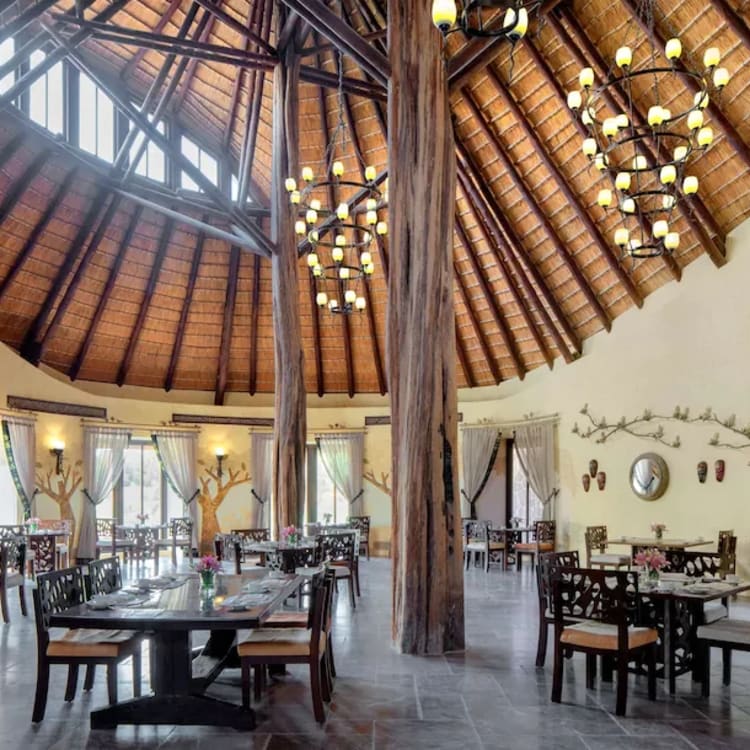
[490, 696]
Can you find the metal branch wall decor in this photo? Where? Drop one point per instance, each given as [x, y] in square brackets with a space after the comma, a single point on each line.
[600, 430]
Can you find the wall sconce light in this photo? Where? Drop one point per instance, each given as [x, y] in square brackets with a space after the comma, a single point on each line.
[220, 456]
[57, 448]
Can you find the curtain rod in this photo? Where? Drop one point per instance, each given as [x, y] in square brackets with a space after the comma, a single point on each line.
[337, 430]
[512, 424]
[18, 414]
[137, 426]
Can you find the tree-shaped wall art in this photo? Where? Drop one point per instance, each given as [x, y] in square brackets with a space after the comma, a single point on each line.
[61, 488]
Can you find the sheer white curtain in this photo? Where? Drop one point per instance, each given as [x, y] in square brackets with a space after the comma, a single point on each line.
[535, 447]
[343, 458]
[103, 459]
[19, 438]
[261, 464]
[478, 452]
[178, 458]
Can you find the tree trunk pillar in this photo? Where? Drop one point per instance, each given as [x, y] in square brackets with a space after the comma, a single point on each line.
[428, 607]
[289, 416]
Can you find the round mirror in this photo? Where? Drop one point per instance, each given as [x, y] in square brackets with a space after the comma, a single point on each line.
[649, 476]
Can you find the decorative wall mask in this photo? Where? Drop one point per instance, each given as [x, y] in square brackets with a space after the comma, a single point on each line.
[586, 479]
[649, 476]
[702, 471]
[593, 467]
[720, 469]
[601, 479]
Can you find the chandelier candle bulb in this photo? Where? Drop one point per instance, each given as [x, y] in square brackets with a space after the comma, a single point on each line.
[668, 174]
[381, 228]
[622, 236]
[312, 260]
[321, 299]
[655, 115]
[628, 206]
[318, 271]
[360, 303]
[371, 217]
[695, 119]
[673, 49]
[370, 269]
[365, 258]
[586, 118]
[639, 162]
[521, 25]
[604, 199]
[574, 99]
[589, 146]
[342, 211]
[672, 241]
[444, 14]
[609, 127]
[667, 202]
[313, 235]
[333, 304]
[721, 77]
[600, 161]
[307, 174]
[337, 168]
[290, 184]
[300, 227]
[624, 56]
[311, 216]
[690, 185]
[295, 197]
[371, 204]
[343, 273]
[622, 121]
[340, 240]
[711, 57]
[701, 100]
[337, 254]
[370, 173]
[622, 181]
[586, 78]
[350, 296]
[315, 204]
[680, 153]
[660, 228]
[705, 137]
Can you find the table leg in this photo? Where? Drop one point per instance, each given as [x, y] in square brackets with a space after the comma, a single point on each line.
[669, 674]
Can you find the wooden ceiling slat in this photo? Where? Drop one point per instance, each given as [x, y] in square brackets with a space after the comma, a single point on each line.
[226, 329]
[463, 359]
[22, 183]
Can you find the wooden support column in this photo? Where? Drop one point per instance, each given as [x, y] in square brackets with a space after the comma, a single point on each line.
[289, 392]
[428, 606]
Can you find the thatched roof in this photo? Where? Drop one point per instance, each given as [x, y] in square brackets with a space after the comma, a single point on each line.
[101, 289]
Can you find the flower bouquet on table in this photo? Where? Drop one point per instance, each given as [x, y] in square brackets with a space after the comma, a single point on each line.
[207, 568]
[290, 534]
[658, 529]
[142, 518]
[32, 524]
[651, 561]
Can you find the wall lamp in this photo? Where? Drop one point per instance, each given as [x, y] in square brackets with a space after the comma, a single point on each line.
[57, 448]
[221, 454]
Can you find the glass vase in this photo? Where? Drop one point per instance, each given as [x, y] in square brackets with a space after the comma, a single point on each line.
[207, 580]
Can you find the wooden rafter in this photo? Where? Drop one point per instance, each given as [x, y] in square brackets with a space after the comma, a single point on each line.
[101, 305]
[67, 298]
[236, 25]
[39, 227]
[226, 328]
[714, 246]
[254, 313]
[496, 244]
[22, 183]
[540, 150]
[10, 148]
[343, 36]
[161, 252]
[732, 20]
[23, 19]
[464, 360]
[489, 295]
[182, 324]
[30, 349]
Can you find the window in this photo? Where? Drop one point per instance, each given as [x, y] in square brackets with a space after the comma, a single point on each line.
[9, 503]
[152, 163]
[46, 95]
[328, 500]
[96, 120]
[7, 49]
[524, 502]
[206, 163]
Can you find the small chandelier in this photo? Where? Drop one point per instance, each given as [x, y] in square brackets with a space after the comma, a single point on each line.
[477, 17]
[646, 158]
[340, 258]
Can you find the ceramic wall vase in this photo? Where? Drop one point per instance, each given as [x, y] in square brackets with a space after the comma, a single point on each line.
[720, 468]
[593, 467]
[702, 471]
[586, 479]
[601, 479]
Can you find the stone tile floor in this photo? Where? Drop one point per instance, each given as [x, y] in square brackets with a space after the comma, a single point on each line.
[490, 696]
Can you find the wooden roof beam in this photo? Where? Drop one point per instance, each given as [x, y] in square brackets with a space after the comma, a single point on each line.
[463, 359]
[542, 218]
[25, 17]
[39, 227]
[30, 348]
[253, 366]
[161, 252]
[10, 148]
[182, 324]
[93, 246]
[541, 151]
[21, 183]
[730, 132]
[733, 20]
[343, 36]
[75, 368]
[512, 240]
[489, 295]
[236, 25]
[226, 328]
[315, 314]
[493, 239]
[714, 246]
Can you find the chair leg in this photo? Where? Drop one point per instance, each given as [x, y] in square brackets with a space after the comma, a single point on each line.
[622, 685]
[245, 667]
[316, 690]
[356, 578]
[112, 683]
[258, 682]
[329, 652]
[4, 604]
[351, 592]
[22, 597]
[325, 681]
[651, 656]
[42, 685]
[541, 646]
[706, 659]
[590, 671]
[137, 673]
[607, 668]
[70, 687]
[726, 666]
[88, 680]
[557, 673]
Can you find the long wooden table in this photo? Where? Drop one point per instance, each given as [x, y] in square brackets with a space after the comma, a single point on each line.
[179, 681]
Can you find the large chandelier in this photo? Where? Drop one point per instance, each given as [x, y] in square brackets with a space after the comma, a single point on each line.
[340, 257]
[647, 157]
[480, 17]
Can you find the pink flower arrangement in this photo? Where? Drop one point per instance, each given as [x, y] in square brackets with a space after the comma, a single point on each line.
[651, 559]
[208, 564]
[290, 534]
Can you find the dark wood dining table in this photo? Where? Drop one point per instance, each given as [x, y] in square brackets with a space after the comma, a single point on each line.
[180, 678]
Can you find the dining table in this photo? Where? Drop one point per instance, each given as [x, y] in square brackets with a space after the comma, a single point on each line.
[169, 609]
[640, 542]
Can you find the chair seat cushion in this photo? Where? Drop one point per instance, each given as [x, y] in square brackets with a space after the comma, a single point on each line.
[94, 643]
[341, 571]
[287, 620]
[13, 579]
[278, 642]
[610, 559]
[600, 635]
[727, 631]
[476, 547]
[713, 611]
[496, 545]
[533, 546]
[307, 572]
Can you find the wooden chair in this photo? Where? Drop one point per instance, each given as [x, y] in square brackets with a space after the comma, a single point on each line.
[56, 592]
[43, 548]
[269, 646]
[547, 562]
[606, 604]
[105, 576]
[12, 563]
[180, 534]
[475, 541]
[696, 564]
[362, 524]
[340, 550]
[596, 539]
[61, 528]
[142, 544]
[111, 540]
[246, 537]
[728, 635]
[543, 541]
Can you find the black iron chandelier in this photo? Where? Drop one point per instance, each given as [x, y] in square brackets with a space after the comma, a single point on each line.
[481, 18]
